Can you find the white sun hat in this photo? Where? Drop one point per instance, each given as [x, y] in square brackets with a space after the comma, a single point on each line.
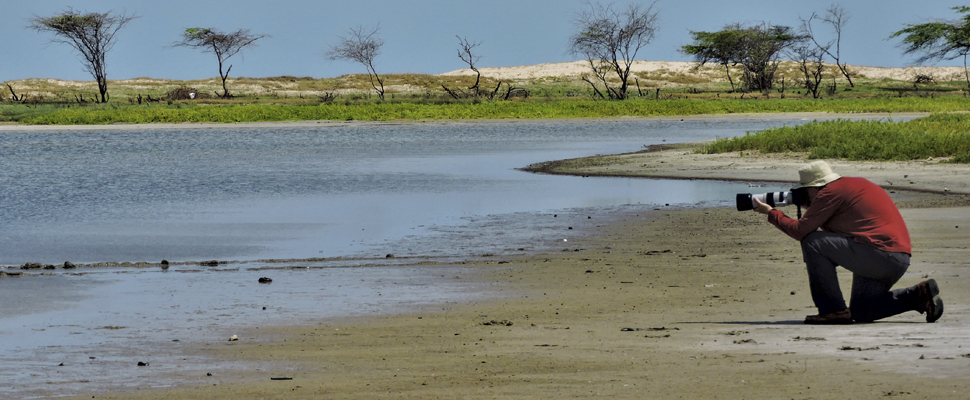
[816, 174]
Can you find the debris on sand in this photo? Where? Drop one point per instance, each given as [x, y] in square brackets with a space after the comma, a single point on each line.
[493, 322]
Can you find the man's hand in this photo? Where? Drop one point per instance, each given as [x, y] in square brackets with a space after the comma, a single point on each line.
[761, 207]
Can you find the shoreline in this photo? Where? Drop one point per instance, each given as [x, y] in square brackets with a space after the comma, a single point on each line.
[657, 303]
[679, 161]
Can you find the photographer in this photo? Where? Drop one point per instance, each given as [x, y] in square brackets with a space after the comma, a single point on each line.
[852, 222]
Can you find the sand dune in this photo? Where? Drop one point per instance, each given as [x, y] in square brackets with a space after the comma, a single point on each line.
[577, 68]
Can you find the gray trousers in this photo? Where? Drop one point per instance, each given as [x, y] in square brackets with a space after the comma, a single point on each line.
[874, 274]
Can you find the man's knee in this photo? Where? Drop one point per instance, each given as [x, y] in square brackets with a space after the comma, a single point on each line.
[818, 239]
[827, 244]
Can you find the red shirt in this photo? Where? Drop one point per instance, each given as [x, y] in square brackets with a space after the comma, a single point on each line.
[854, 207]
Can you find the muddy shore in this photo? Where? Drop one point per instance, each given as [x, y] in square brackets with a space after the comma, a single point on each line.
[655, 303]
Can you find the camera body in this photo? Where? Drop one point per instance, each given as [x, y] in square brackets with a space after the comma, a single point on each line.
[798, 197]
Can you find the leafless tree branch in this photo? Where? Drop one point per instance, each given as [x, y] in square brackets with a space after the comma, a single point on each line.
[361, 46]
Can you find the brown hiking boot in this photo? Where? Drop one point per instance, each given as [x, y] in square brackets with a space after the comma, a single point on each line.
[833, 318]
[928, 300]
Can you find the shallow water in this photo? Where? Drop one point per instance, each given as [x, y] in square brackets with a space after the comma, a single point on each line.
[64, 334]
[297, 192]
[351, 193]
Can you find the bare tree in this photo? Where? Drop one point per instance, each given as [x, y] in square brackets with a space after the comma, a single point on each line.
[91, 34]
[465, 53]
[836, 17]
[362, 47]
[811, 63]
[609, 40]
[223, 44]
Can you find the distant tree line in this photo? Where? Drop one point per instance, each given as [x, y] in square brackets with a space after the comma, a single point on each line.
[609, 39]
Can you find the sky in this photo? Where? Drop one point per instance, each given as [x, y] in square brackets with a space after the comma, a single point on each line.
[420, 35]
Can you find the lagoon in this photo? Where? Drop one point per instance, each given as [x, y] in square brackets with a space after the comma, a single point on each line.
[294, 192]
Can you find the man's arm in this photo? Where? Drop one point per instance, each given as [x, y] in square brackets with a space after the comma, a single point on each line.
[796, 229]
[761, 207]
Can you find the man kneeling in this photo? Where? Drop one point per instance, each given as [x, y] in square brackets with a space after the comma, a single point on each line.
[852, 222]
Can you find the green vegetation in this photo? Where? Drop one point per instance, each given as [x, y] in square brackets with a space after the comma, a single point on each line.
[756, 48]
[459, 110]
[936, 136]
[704, 83]
[13, 112]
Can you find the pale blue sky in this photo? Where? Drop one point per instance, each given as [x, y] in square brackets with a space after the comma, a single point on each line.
[419, 34]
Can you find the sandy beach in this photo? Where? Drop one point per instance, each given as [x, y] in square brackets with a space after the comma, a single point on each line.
[653, 303]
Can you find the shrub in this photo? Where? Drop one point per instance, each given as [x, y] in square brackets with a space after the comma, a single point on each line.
[936, 136]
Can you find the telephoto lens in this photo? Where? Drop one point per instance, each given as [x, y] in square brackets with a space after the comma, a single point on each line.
[745, 201]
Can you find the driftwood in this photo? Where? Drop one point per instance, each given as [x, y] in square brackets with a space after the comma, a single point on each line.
[593, 85]
[22, 98]
[327, 97]
[516, 92]
[494, 92]
[453, 94]
[477, 92]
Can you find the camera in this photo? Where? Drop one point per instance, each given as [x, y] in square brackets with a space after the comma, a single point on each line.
[799, 197]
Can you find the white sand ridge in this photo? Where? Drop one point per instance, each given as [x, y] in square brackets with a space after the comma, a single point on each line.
[711, 71]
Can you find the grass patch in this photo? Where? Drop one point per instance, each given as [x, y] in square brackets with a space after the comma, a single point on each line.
[14, 112]
[469, 110]
[936, 136]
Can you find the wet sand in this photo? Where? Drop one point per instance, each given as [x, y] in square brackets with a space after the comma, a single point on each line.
[655, 303]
